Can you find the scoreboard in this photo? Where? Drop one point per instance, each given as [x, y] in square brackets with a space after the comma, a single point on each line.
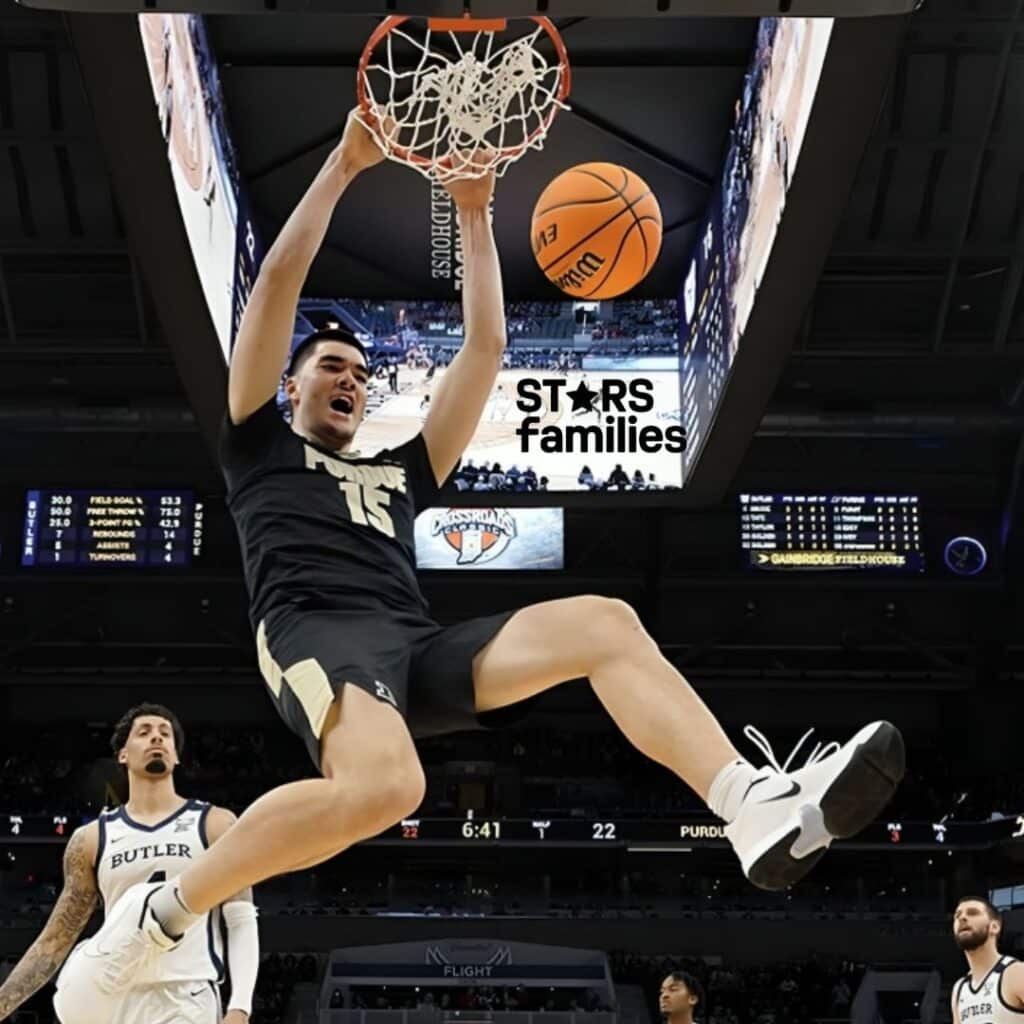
[818, 531]
[633, 835]
[101, 528]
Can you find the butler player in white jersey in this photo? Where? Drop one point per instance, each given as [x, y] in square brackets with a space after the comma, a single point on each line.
[992, 991]
[150, 839]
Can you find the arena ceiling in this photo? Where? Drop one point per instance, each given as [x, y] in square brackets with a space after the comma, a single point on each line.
[909, 364]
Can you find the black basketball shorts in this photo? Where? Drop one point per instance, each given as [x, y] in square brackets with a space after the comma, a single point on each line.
[422, 669]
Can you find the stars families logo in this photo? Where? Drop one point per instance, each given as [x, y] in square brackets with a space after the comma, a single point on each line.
[616, 405]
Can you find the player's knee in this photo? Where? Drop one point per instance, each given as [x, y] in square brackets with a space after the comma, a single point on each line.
[390, 789]
[608, 625]
[402, 793]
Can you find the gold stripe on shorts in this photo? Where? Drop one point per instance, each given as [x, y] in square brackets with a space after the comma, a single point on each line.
[306, 679]
[269, 669]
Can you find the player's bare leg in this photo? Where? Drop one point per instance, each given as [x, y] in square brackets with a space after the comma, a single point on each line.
[603, 640]
[372, 778]
[789, 819]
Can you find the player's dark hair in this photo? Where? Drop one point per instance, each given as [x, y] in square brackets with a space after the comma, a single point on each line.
[693, 986]
[124, 726]
[306, 346]
[994, 915]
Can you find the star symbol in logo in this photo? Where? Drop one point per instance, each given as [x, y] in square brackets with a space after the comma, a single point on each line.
[583, 398]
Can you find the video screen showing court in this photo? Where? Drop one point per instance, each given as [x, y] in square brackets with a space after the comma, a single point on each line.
[587, 398]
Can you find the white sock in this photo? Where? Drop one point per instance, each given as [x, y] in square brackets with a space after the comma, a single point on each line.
[727, 791]
[171, 911]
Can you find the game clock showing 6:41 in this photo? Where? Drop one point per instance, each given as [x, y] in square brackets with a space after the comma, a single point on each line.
[470, 828]
[481, 830]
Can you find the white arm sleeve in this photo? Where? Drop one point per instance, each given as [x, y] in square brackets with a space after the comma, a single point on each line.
[243, 952]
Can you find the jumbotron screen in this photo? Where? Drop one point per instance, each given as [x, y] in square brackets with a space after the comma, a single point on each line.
[719, 287]
[214, 206]
[809, 532]
[587, 398]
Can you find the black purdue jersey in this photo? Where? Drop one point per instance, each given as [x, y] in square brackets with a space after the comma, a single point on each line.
[320, 529]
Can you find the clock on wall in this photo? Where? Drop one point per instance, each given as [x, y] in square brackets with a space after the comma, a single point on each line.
[965, 556]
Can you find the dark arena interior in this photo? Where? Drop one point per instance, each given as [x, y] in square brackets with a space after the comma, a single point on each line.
[835, 326]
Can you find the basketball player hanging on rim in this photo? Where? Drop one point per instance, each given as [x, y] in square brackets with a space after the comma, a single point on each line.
[354, 663]
[150, 839]
[992, 991]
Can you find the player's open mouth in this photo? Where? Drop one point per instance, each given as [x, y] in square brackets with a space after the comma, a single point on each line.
[342, 405]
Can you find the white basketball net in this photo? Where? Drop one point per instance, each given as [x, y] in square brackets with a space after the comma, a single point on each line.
[465, 113]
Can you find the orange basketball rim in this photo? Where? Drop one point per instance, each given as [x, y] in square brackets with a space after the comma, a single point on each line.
[461, 97]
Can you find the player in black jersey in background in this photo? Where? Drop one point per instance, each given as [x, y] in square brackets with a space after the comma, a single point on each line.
[353, 661]
[679, 997]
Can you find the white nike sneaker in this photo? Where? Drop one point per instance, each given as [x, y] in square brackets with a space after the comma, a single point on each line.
[787, 820]
[104, 966]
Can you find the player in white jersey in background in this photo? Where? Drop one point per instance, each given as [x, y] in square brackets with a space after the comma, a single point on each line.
[150, 839]
[992, 991]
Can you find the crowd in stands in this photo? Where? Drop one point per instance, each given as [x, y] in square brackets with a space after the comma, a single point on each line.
[414, 320]
[484, 997]
[550, 360]
[784, 993]
[69, 771]
[634, 347]
[591, 890]
[277, 977]
[771, 993]
[618, 480]
[491, 477]
[767, 993]
[643, 321]
[644, 327]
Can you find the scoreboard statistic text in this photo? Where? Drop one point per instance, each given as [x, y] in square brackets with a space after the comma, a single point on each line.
[111, 528]
[830, 531]
[633, 835]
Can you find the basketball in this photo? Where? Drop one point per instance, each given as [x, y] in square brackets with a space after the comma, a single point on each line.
[596, 231]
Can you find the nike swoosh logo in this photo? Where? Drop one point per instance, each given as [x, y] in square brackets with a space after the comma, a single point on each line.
[117, 840]
[756, 782]
[792, 791]
[95, 956]
[198, 992]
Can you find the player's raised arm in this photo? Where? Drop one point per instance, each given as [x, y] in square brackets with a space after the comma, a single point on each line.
[70, 915]
[265, 332]
[460, 396]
